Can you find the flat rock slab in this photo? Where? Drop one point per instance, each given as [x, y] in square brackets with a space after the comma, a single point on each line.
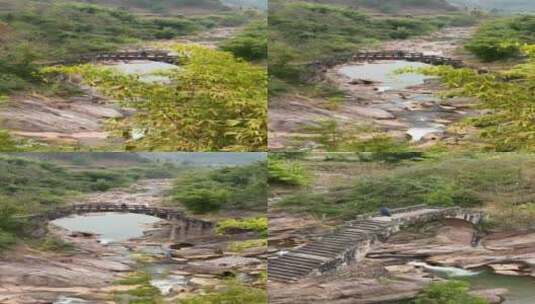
[233, 261]
[373, 113]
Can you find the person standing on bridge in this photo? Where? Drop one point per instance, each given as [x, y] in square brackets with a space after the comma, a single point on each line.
[385, 211]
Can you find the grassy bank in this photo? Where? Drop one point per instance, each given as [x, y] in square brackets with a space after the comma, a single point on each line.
[500, 182]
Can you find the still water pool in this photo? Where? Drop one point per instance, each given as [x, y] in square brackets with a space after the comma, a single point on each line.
[384, 74]
[111, 227]
[521, 289]
[146, 70]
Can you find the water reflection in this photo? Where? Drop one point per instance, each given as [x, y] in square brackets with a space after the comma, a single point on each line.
[111, 227]
[383, 72]
[147, 70]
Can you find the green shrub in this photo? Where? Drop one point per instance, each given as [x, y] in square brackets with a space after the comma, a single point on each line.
[251, 44]
[51, 243]
[257, 224]
[204, 200]
[6, 240]
[7, 144]
[143, 293]
[233, 188]
[136, 278]
[287, 172]
[451, 292]
[240, 246]
[232, 294]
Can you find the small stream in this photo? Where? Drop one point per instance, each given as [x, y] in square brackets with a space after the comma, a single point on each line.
[114, 228]
[521, 288]
[420, 111]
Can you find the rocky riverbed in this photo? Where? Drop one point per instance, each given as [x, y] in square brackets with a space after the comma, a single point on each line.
[88, 271]
[399, 268]
[379, 104]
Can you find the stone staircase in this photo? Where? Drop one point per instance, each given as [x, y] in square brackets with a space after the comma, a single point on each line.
[329, 251]
[352, 241]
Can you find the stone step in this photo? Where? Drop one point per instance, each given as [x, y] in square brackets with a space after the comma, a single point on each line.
[321, 250]
[297, 259]
[289, 271]
[352, 233]
[366, 226]
[304, 264]
[325, 247]
[343, 238]
[282, 278]
[335, 244]
[339, 237]
[318, 252]
[283, 275]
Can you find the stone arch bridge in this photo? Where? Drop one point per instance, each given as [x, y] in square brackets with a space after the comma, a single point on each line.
[318, 68]
[182, 226]
[390, 55]
[351, 242]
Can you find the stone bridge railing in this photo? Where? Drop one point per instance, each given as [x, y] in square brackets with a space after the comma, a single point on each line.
[351, 242]
[183, 227]
[317, 68]
[151, 55]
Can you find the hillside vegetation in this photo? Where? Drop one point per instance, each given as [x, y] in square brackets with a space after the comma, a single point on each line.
[500, 5]
[144, 6]
[496, 39]
[497, 181]
[394, 6]
[53, 31]
[300, 32]
[258, 4]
